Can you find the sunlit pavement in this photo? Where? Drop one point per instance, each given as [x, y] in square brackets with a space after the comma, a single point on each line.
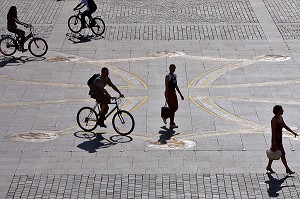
[235, 60]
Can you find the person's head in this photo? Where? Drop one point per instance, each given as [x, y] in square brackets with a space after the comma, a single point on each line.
[104, 72]
[278, 110]
[12, 10]
[172, 68]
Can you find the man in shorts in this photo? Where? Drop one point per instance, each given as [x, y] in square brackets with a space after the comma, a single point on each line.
[91, 8]
[98, 92]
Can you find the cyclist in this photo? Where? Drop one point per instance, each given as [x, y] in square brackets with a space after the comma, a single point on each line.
[91, 8]
[12, 21]
[98, 92]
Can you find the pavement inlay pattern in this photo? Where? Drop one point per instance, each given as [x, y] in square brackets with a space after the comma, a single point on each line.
[155, 186]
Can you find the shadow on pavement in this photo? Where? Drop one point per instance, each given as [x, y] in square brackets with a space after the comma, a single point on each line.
[97, 141]
[166, 134]
[79, 38]
[6, 60]
[275, 185]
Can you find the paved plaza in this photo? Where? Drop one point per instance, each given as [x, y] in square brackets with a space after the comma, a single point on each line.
[235, 60]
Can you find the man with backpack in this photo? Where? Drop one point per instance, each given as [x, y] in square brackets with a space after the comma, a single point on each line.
[97, 91]
[91, 8]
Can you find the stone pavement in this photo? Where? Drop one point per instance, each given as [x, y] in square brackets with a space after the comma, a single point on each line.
[235, 60]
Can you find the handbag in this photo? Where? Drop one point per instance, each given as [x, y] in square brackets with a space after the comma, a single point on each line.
[165, 111]
[273, 155]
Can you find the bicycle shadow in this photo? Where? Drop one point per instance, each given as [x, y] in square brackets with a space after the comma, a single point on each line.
[82, 38]
[97, 141]
[166, 134]
[7, 60]
[275, 185]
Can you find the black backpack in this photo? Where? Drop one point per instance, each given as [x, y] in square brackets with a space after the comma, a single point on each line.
[92, 5]
[91, 80]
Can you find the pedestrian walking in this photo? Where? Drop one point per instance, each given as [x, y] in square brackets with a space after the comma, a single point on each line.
[277, 123]
[170, 94]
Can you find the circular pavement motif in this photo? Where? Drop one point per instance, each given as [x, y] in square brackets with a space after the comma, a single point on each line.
[171, 144]
[33, 136]
[167, 54]
[274, 58]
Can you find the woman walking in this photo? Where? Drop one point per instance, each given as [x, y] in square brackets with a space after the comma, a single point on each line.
[170, 94]
[277, 124]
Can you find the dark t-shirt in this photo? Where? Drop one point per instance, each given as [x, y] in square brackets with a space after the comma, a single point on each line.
[11, 22]
[99, 83]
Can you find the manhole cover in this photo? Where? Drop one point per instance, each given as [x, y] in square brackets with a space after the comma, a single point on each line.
[33, 136]
[167, 54]
[61, 59]
[274, 58]
[171, 144]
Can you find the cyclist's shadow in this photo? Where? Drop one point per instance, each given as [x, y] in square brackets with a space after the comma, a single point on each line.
[82, 38]
[7, 60]
[97, 141]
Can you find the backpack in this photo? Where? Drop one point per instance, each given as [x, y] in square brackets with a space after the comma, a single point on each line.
[92, 5]
[91, 80]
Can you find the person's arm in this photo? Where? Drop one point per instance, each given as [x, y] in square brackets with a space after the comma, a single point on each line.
[20, 22]
[274, 146]
[288, 129]
[117, 90]
[79, 6]
[166, 87]
[177, 88]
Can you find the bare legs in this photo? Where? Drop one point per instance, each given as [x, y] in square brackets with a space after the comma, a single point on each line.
[283, 159]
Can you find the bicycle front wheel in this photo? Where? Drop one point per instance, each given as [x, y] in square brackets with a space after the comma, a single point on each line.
[74, 24]
[87, 119]
[123, 122]
[97, 26]
[38, 47]
[8, 46]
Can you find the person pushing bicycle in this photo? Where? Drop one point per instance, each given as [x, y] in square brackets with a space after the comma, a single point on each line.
[98, 92]
[91, 8]
[12, 21]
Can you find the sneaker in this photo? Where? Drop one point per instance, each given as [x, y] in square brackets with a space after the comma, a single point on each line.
[173, 126]
[164, 120]
[101, 124]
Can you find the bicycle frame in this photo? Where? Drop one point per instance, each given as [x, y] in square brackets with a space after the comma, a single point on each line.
[108, 114]
[31, 34]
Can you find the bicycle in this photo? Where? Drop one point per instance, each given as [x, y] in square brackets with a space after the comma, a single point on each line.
[96, 24]
[122, 121]
[37, 46]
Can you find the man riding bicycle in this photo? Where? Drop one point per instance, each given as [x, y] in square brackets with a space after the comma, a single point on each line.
[91, 8]
[98, 92]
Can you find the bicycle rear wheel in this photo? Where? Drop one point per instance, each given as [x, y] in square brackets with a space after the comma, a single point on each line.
[74, 24]
[97, 26]
[38, 47]
[87, 119]
[123, 122]
[8, 46]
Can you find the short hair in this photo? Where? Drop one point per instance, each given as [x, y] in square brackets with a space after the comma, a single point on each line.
[277, 109]
[104, 69]
[172, 65]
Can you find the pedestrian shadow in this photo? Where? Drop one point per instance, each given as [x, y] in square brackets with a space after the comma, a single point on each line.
[275, 185]
[7, 60]
[81, 38]
[166, 134]
[96, 141]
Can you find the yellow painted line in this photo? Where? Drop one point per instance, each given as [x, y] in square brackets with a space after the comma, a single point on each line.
[260, 84]
[260, 100]
[225, 112]
[35, 103]
[202, 75]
